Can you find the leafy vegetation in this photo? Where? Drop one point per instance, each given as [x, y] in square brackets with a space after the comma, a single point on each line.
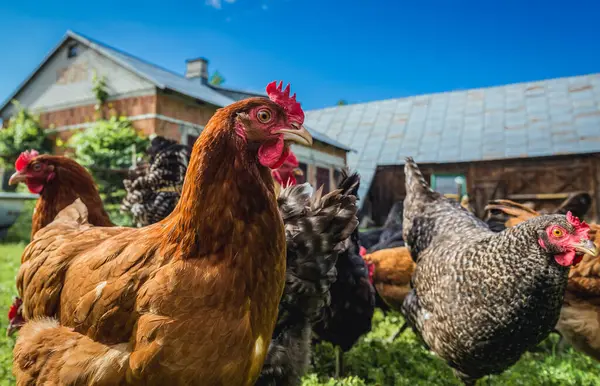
[99, 87]
[375, 360]
[23, 132]
[107, 149]
[216, 79]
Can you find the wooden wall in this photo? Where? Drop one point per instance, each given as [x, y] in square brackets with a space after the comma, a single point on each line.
[518, 179]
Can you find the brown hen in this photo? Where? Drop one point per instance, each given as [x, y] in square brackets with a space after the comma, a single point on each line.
[392, 270]
[59, 181]
[190, 300]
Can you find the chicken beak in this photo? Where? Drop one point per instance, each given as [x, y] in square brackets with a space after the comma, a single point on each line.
[587, 247]
[16, 178]
[297, 133]
[10, 329]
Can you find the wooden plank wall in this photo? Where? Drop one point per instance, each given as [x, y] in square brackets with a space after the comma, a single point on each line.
[499, 179]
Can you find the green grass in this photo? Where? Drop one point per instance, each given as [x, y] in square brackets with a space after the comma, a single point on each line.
[374, 360]
[377, 361]
[10, 257]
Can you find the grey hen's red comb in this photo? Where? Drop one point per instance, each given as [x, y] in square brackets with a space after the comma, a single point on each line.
[283, 99]
[581, 227]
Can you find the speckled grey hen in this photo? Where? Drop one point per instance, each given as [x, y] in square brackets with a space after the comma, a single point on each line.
[479, 298]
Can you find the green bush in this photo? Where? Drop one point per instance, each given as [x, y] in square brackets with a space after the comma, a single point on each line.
[376, 360]
[106, 149]
[24, 132]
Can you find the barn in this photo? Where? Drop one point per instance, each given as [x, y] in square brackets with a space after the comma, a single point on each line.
[536, 141]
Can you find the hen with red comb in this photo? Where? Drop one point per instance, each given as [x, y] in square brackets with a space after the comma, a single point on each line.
[480, 299]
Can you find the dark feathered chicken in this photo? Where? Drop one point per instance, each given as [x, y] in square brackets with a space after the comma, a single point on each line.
[153, 189]
[479, 298]
[316, 230]
[391, 234]
[352, 295]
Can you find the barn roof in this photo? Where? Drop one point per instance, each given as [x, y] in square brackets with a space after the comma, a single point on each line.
[534, 119]
[163, 79]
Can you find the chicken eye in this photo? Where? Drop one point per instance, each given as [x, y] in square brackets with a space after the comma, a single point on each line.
[557, 232]
[263, 115]
[37, 167]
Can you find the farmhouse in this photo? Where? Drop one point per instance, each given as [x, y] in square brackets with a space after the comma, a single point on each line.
[536, 141]
[156, 100]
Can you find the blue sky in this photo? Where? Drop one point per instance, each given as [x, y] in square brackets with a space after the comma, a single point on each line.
[358, 50]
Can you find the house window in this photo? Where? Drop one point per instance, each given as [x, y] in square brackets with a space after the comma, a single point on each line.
[72, 51]
[302, 179]
[191, 139]
[323, 179]
[449, 184]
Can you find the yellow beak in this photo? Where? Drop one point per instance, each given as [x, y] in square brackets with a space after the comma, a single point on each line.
[16, 178]
[297, 134]
[587, 247]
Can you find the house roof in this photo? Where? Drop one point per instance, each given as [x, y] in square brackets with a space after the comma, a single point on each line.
[163, 79]
[533, 119]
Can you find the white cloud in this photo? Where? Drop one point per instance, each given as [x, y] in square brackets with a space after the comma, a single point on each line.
[218, 3]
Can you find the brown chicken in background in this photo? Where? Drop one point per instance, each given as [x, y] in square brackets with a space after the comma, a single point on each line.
[190, 300]
[579, 322]
[59, 181]
[391, 273]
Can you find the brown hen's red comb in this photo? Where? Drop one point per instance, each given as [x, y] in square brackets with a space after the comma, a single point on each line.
[581, 227]
[24, 158]
[283, 99]
[14, 309]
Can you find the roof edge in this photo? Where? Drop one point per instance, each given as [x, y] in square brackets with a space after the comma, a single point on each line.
[98, 47]
[83, 40]
[24, 83]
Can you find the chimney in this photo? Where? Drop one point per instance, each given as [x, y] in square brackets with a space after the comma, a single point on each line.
[197, 68]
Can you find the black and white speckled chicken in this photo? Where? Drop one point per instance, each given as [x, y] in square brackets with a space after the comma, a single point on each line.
[350, 313]
[153, 188]
[317, 229]
[480, 299]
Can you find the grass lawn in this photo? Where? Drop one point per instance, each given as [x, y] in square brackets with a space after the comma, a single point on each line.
[374, 360]
[10, 257]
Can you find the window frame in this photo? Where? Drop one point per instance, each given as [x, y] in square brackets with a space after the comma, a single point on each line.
[70, 54]
[435, 176]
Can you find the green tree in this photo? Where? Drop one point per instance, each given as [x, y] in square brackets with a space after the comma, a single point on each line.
[106, 149]
[23, 132]
[342, 102]
[216, 79]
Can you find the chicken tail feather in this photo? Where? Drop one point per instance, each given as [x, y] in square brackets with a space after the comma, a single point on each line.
[415, 182]
[50, 354]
